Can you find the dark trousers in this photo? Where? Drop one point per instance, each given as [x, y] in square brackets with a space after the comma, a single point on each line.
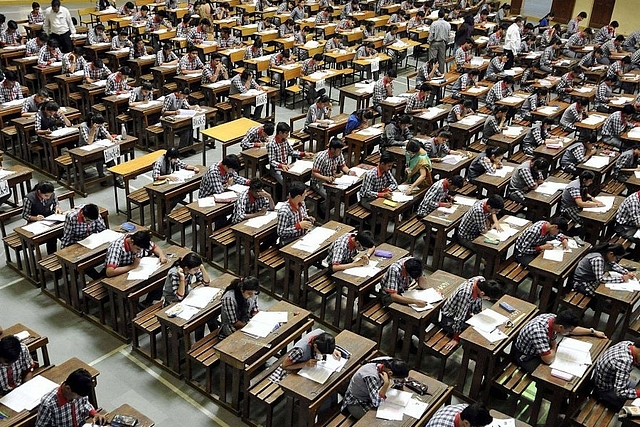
[64, 40]
[509, 64]
[52, 246]
[610, 399]
[525, 259]
[525, 362]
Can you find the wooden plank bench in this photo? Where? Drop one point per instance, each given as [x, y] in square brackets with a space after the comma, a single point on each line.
[203, 353]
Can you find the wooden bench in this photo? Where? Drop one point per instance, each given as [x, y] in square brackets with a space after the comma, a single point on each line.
[513, 275]
[268, 393]
[373, 159]
[9, 136]
[519, 157]
[203, 353]
[323, 286]
[223, 238]
[411, 228]
[478, 146]
[594, 414]
[613, 187]
[146, 322]
[468, 189]
[95, 291]
[458, 254]
[299, 134]
[50, 265]
[271, 260]
[434, 344]
[156, 134]
[99, 109]
[513, 381]
[576, 301]
[140, 198]
[512, 208]
[377, 316]
[65, 163]
[179, 218]
[11, 241]
[341, 420]
[226, 109]
[358, 214]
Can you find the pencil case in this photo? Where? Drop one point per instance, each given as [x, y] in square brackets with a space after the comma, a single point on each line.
[382, 253]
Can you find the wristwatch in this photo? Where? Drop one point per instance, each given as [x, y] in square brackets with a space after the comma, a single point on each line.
[592, 331]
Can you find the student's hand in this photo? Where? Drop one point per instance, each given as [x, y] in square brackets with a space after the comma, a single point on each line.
[196, 170]
[172, 178]
[599, 334]
[180, 272]
[308, 155]
[262, 211]
[598, 203]
[312, 219]
[436, 159]
[497, 226]
[337, 355]
[99, 419]
[451, 344]
[362, 261]
[386, 194]
[311, 363]
[352, 173]
[163, 259]
[385, 377]
[546, 246]
[447, 204]
[263, 193]
[628, 276]
[306, 225]
[39, 217]
[285, 167]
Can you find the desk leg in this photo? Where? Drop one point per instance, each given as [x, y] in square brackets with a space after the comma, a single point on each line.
[462, 375]
[341, 102]
[615, 310]
[165, 344]
[114, 314]
[235, 389]
[123, 323]
[73, 289]
[81, 177]
[153, 202]
[351, 302]
[223, 381]
[287, 278]
[338, 310]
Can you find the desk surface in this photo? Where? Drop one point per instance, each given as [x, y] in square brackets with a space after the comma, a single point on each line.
[554, 268]
[383, 264]
[137, 164]
[299, 254]
[229, 131]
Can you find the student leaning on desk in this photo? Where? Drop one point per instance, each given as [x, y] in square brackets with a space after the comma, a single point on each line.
[16, 364]
[239, 304]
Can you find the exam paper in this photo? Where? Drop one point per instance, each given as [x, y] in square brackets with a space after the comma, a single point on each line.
[505, 422]
[148, 265]
[5, 173]
[450, 210]
[471, 120]
[390, 411]
[493, 336]
[188, 312]
[453, 159]
[503, 235]
[514, 220]
[206, 202]
[593, 119]
[370, 131]
[323, 369]
[511, 99]
[29, 394]
[400, 197]
[432, 112]
[502, 172]
[368, 270]
[358, 171]
[200, 296]
[264, 322]
[347, 180]
[314, 239]
[487, 320]
[429, 295]
[261, 221]
[465, 201]
[225, 196]
[186, 113]
[415, 408]
[553, 255]
[550, 187]
[608, 204]
[14, 103]
[56, 217]
[572, 357]
[63, 131]
[36, 227]
[238, 188]
[301, 166]
[550, 109]
[597, 162]
[98, 239]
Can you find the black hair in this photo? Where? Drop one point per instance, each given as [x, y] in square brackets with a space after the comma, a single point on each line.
[10, 349]
[282, 127]
[123, 32]
[141, 238]
[79, 381]
[231, 161]
[12, 25]
[365, 238]
[493, 151]
[628, 109]
[325, 342]
[256, 184]
[205, 21]
[190, 260]
[238, 286]
[413, 267]
[477, 415]
[336, 143]
[99, 27]
[53, 43]
[586, 176]
[10, 75]
[614, 24]
[467, 103]
[323, 98]
[125, 70]
[398, 367]
[172, 153]
[95, 118]
[542, 91]
[567, 318]
[445, 134]
[97, 62]
[144, 8]
[540, 164]
[561, 222]
[268, 128]
[458, 181]
[392, 73]
[386, 158]
[491, 288]
[54, 3]
[318, 57]
[619, 38]
[495, 201]
[413, 146]
[296, 189]
[129, 5]
[51, 106]
[603, 248]
[509, 80]
[425, 87]
[500, 109]
[45, 187]
[91, 211]
[35, 4]
[43, 37]
[583, 15]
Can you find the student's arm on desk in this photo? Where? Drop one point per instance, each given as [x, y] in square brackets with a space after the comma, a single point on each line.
[117, 271]
[395, 297]
[157, 250]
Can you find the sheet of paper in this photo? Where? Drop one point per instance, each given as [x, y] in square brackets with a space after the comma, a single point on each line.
[148, 265]
[550, 187]
[503, 171]
[200, 296]
[572, 357]
[471, 120]
[398, 397]
[238, 188]
[450, 210]
[359, 171]
[415, 408]
[227, 195]
[389, 411]
[264, 322]
[314, 239]
[503, 235]
[100, 83]
[183, 174]
[29, 394]
[206, 202]
[504, 422]
[188, 312]
[371, 131]
[148, 104]
[514, 220]
[465, 201]
[432, 112]
[56, 217]
[511, 99]
[271, 317]
[186, 113]
[399, 197]
[423, 308]
[261, 221]
[36, 227]
[608, 204]
[13, 103]
[301, 166]
[323, 369]
[5, 173]
[513, 131]
[347, 180]
[63, 131]
[553, 255]
[453, 159]
[493, 336]
[487, 320]
[597, 162]
[593, 119]
[98, 239]
[429, 295]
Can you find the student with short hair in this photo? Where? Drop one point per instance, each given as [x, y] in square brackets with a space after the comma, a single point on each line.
[239, 304]
[221, 175]
[495, 123]
[479, 219]
[279, 152]
[293, 218]
[327, 165]
[378, 182]
[383, 88]
[343, 251]
[306, 352]
[576, 153]
[474, 415]
[123, 254]
[437, 196]
[258, 136]
[487, 162]
[535, 239]
[627, 163]
[39, 204]
[80, 223]
[50, 118]
[612, 374]
[601, 259]
[398, 278]
[576, 197]
[253, 202]
[16, 364]
[526, 177]
[396, 132]
[537, 136]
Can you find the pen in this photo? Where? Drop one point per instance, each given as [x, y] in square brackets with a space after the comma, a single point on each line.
[4, 415]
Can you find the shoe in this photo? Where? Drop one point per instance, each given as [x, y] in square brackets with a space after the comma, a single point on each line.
[578, 240]
[120, 183]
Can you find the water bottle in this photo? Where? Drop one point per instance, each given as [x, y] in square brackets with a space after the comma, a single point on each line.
[123, 131]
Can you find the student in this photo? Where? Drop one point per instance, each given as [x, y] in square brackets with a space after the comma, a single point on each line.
[173, 103]
[39, 204]
[576, 197]
[254, 51]
[123, 254]
[68, 405]
[121, 41]
[31, 105]
[464, 82]
[462, 108]
[241, 83]
[239, 305]
[75, 61]
[526, 177]
[590, 60]
[117, 82]
[548, 55]
[390, 38]
[573, 114]
[199, 33]
[549, 34]
[378, 182]
[251, 203]
[463, 53]
[16, 364]
[566, 84]
[427, 72]
[606, 33]
[358, 120]
[609, 47]
[279, 151]
[35, 16]
[499, 90]
[577, 41]
[96, 70]
[168, 163]
[368, 387]
[627, 163]
[604, 93]
[533, 102]
[314, 346]
[310, 66]
[474, 415]
[319, 112]
[486, 162]
[535, 239]
[396, 132]
[383, 88]
[183, 28]
[34, 45]
[438, 195]
[81, 223]
[612, 374]
[49, 53]
[616, 124]
[10, 89]
[190, 63]
[419, 101]
[573, 25]
[591, 269]
[465, 302]
[495, 123]
[537, 341]
[214, 70]
[327, 165]
[418, 167]
[293, 219]
[97, 35]
[138, 49]
[538, 134]
[496, 67]
[50, 118]
[127, 9]
[398, 278]
[258, 136]
[94, 129]
[479, 219]
[438, 146]
[221, 175]
[576, 153]
[141, 94]
[343, 251]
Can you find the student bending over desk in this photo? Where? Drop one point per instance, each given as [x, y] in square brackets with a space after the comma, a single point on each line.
[40, 203]
[166, 56]
[369, 385]
[526, 177]
[591, 269]
[476, 415]
[10, 88]
[611, 374]
[537, 136]
[398, 278]
[239, 304]
[486, 162]
[344, 249]
[241, 83]
[479, 219]
[252, 202]
[123, 255]
[169, 163]
[536, 341]
[575, 154]
[314, 346]
[94, 129]
[396, 132]
[575, 197]
[495, 123]
[141, 94]
[32, 104]
[293, 218]
[221, 175]
[49, 119]
[378, 182]
[172, 104]
[358, 120]
[536, 238]
[68, 405]
[258, 136]
[16, 364]
[327, 165]
[437, 196]
[279, 150]
[464, 302]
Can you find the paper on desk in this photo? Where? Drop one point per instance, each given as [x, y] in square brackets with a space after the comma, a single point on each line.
[186, 113]
[477, 89]
[29, 394]
[453, 159]
[400, 197]
[608, 204]
[503, 235]
[100, 83]
[188, 312]
[98, 239]
[465, 201]
[56, 217]
[323, 369]
[471, 120]
[572, 357]
[394, 99]
[419, 309]
[200, 296]
[514, 220]
[389, 411]
[206, 202]
[553, 255]
[359, 171]
[511, 99]
[432, 112]
[549, 109]
[583, 90]
[550, 187]
[415, 408]
[429, 295]
[261, 221]
[635, 132]
[347, 180]
[398, 397]
[502, 172]
[63, 131]
[261, 325]
[238, 188]
[621, 100]
[5, 173]
[493, 336]
[148, 265]
[597, 162]
[450, 210]
[36, 227]
[487, 320]
[593, 119]
[368, 270]
[149, 104]
[503, 422]
[225, 196]
[512, 131]
[13, 103]
[301, 166]
[314, 239]
[219, 83]
[370, 131]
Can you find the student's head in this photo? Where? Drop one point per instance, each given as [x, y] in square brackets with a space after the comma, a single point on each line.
[42, 38]
[421, 14]
[323, 101]
[425, 88]
[97, 63]
[41, 96]
[403, 121]
[395, 368]
[494, 153]
[586, 178]
[566, 321]
[52, 45]
[364, 240]
[129, 5]
[323, 344]
[190, 263]
[186, 18]
[78, 384]
[9, 350]
[50, 108]
[140, 240]
[495, 203]
[443, 137]
[542, 92]
[500, 111]
[138, 42]
[490, 289]
[268, 128]
[468, 44]
[614, 24]
[146, 88]
[193, 53]
[612, 252]
[256, 186]
[125, 71]
[318, 57]
[99, 28]
[475, 415]
[95, 119]
[582, 103]
[44, 189]
[258, 43]
[509, 81]
[172, 155]
[456, 182]
[558, 225]
[35, 6]
[393, 29]
[297, 192]
[90, 212]
[144, 10]
[597, 52]
[386, 162]
[282, 130]
[244, 289]
[55, 6]
[335, 146]
[122, 34]
[581, 16]
[183, 94]
[413, 147]
[540, 165]
[204, 24]
[11, 77]
[618, 40]
[231, 161]
[467, 104]
[628, 110]
[216, 59]
[413, 268]
[246, 75]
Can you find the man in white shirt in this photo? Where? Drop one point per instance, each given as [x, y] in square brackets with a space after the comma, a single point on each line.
[512, 42]
[59, 26]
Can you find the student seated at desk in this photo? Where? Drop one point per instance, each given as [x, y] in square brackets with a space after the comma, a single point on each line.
[123, 254]
[227, 41]
[575, 113]
[258, 136]
[537, 341]
[190, 63]
[613, 384]
[465, 302]
[474, 415]
[199, 33]
[591, 59]
[49, 53]
[314, 346]
[464, 82]
[324, 16]
[168, 163]
[97, 35]
[535, 239]
[549, 34]
[32, 104]
[117, 82]
[34, 45]
[399, 17]
[138, 49]
[575, 197]
[286, 29]
[438, 195]
[37, 205]
[254, 50]
[11, 36]
[35, 16]
[526, 177]
[415, 22]
[494, 123]
[398, 278]
[578, 40]
[141, 94]
[347, 25]
[172, 105]
[334, 43]
[74, 61]
[390, 38]
[418, 167]
[50, 118]
[419, 101]
[121, 41]
[94, 129]
[310, 66]
[486, 162]
[533, 102]
[265, 24]
[319, 112]
[462, 108]
[591, 269]
[576, 153]
[616, 124]
[358, 120]
[496, 67]
[221, 175]
[214, 70]
[479, 219]
[548, 57]
[369, 30]
[463, 53]
[383, 88]
[378, 182]
[241, 83]
[166, 56]
[297, 14]
[604, 94]
[127, 9]
[239, 305]
[95, 70]
[252, 203]
[366, 51]
[368, 387]
[278, 60]
[222, 12]
[68, 405]
[80, 223]
[627, 163]
[343, 251]
[438, 146]
[327, 165]
[501, 89]
[16, 364]
[279, 151]
[10, 87]
[293, 218]
[396, 132]
[567, 82]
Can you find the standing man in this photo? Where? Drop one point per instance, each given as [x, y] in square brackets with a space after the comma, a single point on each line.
[438, 37]
[59, 26]
[512, 42]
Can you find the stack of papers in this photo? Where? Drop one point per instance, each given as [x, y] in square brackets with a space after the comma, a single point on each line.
[346, 180]
[549, 109]
[471, 120]
[503, 422]
[400, 197]
[550, 187]
[148, 266]
[450, 210]
[511, 99]
[371, 131]
[186, 113]
[323, 369]
[477, 89]
[453, 159]
[572, 356]
[5, 173]
[29, 394]
[225, 197]
[148, 104]
[56, 218]
[99, 239]
[253, 92]
[635, 132]
[261, 221]
[206, 202]
[219, 83]
[301, 166]
[182, 175]
[200, 296]
[501, 235]
[597, 162]
[553, 255]
[608, 204]
[38, 227]
[14, 103]
[512, 131]
[368, 270]
[486, 324]
[397, 404]
[503, 171]
[264, 322]
[238, 188]
[314, 239]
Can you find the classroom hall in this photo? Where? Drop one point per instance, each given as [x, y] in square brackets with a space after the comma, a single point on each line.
[164, 396]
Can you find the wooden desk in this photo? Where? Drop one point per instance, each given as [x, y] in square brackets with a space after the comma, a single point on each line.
[97, 50]
[486, 354]
[173, 125]
[34, 342]
[119, 287]
[548, 274]
[447, 170]
[142, 115]
[115, 56]
[297, 262]
[20, 179]
[463, 133]
[7, 112]
[250, 238]
[360, 287]
[364, 65]
[310, 395]
[255, 161]
[544, 206]
[214, 92]
[163, 74]
[337, 195]
[202, 220]
[558, 390]
[617, 303]
[359, 143]
[410, 320]
[495, 256]
[238, 352]
[67, 84]
[25, 65]
[559, 108]
[601, 174]
[90, 94]
[53, 146]
[143, 420]
[162, 196]
[509, 143]
[384, 213]
[141, 65]
[359, 95]
[230, 133]
[321, 133]
[589, 95]
[240, 100]
[390, 109]
[494, 184]
[46, 72]
[427, 122]
[439, 225]
[176, 329]
[553, 155]
[598, 226]
[115, 104]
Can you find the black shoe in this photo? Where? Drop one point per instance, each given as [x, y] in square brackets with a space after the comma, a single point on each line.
[120, 184]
